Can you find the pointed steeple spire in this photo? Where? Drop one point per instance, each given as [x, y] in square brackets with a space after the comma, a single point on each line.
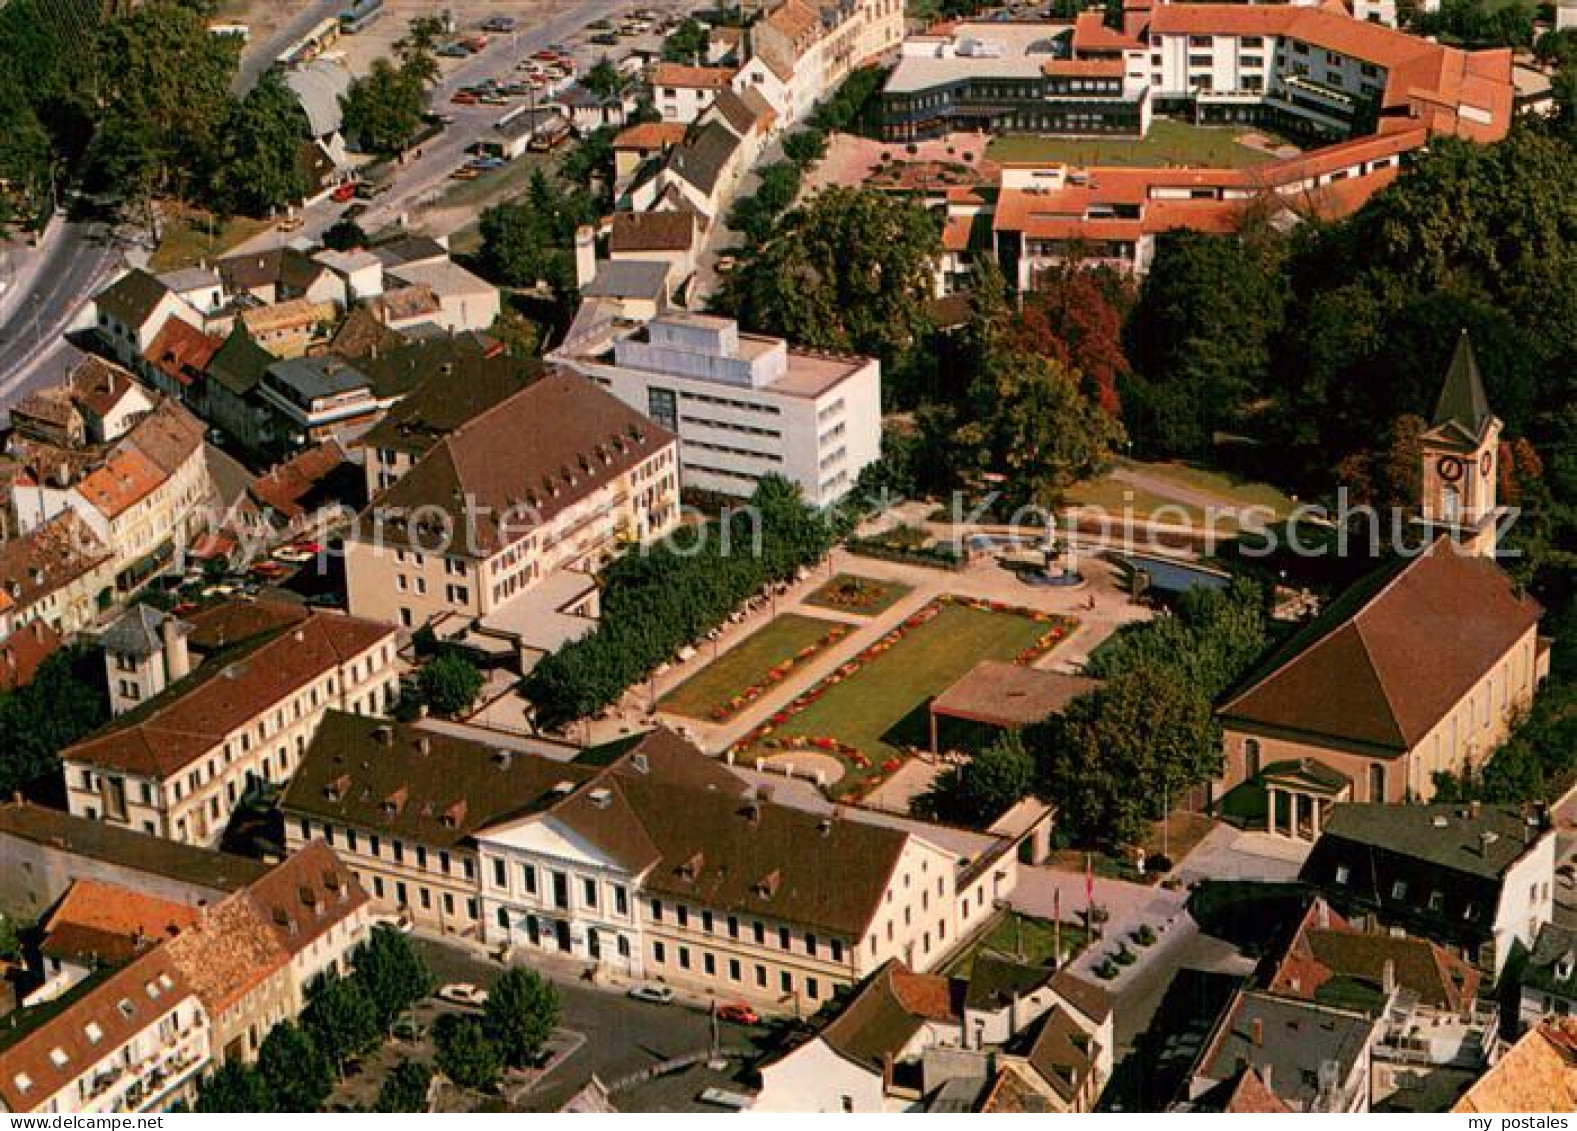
[1462, 401]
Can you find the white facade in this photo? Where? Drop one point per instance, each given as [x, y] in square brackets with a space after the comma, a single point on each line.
[1526, 901]
[744, 406]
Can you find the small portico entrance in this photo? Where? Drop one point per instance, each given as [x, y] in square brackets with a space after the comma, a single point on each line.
[1298, 794]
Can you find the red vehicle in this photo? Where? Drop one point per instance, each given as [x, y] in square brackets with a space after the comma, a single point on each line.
[269, 570]
[738, 1012]
[464, 98]
[345, 193]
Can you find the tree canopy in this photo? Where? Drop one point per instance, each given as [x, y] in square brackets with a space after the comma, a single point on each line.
[465, 1053]
[522, 1010]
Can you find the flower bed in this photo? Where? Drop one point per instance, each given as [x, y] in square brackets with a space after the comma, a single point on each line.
[776, 675]
[742, 675]
[769, 735]
[862, 596]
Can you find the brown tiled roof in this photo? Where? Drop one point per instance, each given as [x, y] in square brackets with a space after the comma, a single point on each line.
[98, 385]
[362, 335]
[96, 840]
[123, 1005]
[1243, 1093]
[284, 266]
[287, 315]
[1539, 1074]
[794, 20]
[547, 447]
[229, 951]
[702, 78]
[1083, 997]
[99, 923]
[1014, 1093]
[448, 395]
[122, 481]
[235, 622]
[51, 406]
[1010, 695]
[49, 558]
[194, 716]
[167, 437]
[284, 487]
[1062, 1054]
[648, 136]
[404, 303]
[181, 351]
[25, 650]
[428, 787]
[1392, 656]
[652, 231]
[886, 1011]
[307, 896]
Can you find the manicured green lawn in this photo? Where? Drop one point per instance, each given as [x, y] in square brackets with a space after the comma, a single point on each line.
[1023, 938]
[862, 596]
[1241, 491]
[1168, 143]
[745, 664]
[193, 238]
[882, 707]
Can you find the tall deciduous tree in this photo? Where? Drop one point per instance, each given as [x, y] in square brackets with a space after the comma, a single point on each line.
[396, 976]
[259, 168]
[341, 1017]
[383, 109]
[465, 1053]
[297, 1074]
[1075, 315]
[687, 43]
[236, 1087]
[984, 787]
[849, 271]
[522, 1010]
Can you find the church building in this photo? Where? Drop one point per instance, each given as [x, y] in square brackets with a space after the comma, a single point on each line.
[1419, 669]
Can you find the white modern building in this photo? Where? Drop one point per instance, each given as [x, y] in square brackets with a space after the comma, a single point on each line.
[743, 405]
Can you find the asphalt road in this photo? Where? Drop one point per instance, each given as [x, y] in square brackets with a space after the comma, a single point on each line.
[622, 1035]
[422, 179]
[260, 56]
[33, 350]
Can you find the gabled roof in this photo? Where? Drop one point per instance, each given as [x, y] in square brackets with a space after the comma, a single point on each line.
[167, 437]
[699, 78]
[361, 335]
[136, 633]
[25, 650]
[132, 299]
[181, 351]
[523, 461]
[277, 267]
[288, 488]
[1539, 1074]
[1392, 656]
[98, 385]
[648, 136]
[229, 689]
[652, 231]
[446, 397]
[702, 159]
[239, 364]
[1243, 1093]
[1462, 412]
[886, 1011]
[426, 787]
[48, 558]
[96, 923]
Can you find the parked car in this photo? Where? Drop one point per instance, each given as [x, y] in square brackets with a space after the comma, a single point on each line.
[455, 50]
[739, 1013]
[290, 224]
[463, 98]
[463, 993]
[605, 39]
[345, 193]
[409, 1029]
[502, 24]
[465, 173]
[654, 992]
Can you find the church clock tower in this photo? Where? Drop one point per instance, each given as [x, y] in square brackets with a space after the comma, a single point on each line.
[1460, 454]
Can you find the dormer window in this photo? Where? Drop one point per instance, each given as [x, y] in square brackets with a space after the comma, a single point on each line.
[23, 1082]
[58, 1057]
[93, 1033]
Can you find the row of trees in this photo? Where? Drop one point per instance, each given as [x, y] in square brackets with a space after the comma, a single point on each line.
[657, 600]
[522, 1011]
[345, 1018]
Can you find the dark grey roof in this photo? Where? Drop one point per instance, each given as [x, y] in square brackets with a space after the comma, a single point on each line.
[131, 299]
[994, 982]
[1552, 967]
[1296, 1040]
[409, 249]
[317, 376]
[1453, 836]
[702, 159]
[629, 278]
[1462, 402]
[136, 633]
[240, 363]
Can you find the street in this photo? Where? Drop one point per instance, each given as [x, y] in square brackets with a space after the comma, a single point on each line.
[425, 174]
[622, 1036]
[33, 351]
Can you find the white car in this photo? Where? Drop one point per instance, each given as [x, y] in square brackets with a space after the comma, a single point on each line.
[654, 992]
[292, 555]
[463, 993]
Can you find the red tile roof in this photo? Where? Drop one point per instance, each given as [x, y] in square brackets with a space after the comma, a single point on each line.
[695, 78]
[181, 351]
[96, 922]
[649, 136]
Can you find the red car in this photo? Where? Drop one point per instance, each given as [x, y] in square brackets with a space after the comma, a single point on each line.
[345, 193]
[464, 98]
[738, 1012]
[269, 570]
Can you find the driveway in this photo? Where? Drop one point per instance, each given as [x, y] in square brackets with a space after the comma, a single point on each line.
[1227, 853]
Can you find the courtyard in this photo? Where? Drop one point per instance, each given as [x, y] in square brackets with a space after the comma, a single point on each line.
[1029, 939]
[872, 710]
[1168, 142]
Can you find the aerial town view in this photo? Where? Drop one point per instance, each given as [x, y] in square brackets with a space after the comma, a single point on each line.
[788, 556]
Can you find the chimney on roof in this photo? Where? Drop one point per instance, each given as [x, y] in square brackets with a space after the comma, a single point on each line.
[1322, 914]
[1388, 977]
[1474, 809]
[1257, 1032]
[824, 826]
[1264, 1074]
[177, 660]
[424, 745]
[585, 255]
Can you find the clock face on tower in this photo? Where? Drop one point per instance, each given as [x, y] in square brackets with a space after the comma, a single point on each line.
[1485, 462]
[1450, 468]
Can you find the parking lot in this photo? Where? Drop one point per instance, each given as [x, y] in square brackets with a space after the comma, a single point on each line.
[615, 1037]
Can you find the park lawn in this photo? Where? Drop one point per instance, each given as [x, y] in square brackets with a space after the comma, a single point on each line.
[190, 239]
[880, 595]
[1168, 143]
[1023, 938]
[882, 707]
[1243, 492]
[1117, 498]
[745, 664]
